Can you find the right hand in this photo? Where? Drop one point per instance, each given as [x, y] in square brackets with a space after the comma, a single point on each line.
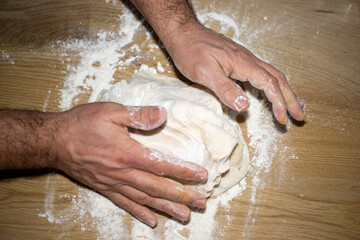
[210, 59]
[95, 148]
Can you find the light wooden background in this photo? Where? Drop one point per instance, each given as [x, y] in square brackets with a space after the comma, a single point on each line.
[317, 44]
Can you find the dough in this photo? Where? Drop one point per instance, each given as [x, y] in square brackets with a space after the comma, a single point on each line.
[198, 129]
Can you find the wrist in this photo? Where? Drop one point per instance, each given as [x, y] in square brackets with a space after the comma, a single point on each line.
[170, 19]
[177, 36]
[58, 148]
[47, 136]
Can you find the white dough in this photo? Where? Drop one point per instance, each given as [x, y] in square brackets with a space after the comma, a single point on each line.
[197, 129]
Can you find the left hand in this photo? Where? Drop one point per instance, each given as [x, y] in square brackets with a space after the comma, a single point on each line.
[209, 59]
[94, 147]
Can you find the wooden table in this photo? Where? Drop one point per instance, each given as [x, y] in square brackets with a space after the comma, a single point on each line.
[314, 195]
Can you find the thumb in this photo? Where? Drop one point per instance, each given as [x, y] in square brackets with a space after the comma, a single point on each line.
[144, 118]
[228, 91]
[231, 94]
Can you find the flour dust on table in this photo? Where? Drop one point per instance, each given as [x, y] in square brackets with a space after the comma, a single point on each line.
[100, 60]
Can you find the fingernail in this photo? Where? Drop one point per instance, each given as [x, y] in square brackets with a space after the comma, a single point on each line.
[154, 113]
[152, 222]
[200, 203]
[181, 214]
[300, 101]
[281, 117]
[201, 176]
[241, 103]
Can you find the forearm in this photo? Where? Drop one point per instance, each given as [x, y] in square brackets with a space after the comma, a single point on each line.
[171, 19]
[27, 139]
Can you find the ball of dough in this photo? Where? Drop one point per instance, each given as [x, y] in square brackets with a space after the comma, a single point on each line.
[198, 129]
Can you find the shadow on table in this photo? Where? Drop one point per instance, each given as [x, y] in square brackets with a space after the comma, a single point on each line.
[9, 174]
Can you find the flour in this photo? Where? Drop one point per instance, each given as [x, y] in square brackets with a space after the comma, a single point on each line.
[160, 68]
[145, 67]
[113, 51]
[6, 56]
[99, 60]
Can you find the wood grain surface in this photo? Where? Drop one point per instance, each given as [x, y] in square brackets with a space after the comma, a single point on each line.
[315, 195]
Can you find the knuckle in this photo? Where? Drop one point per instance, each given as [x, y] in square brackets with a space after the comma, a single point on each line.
[225, 89]
[124, 155]
[144, 199]
[123, 178]
[275, 86]
[281, 76]
[120, 200]
[129, 206]
[224, 52]
[201, 73]
[270, 79]
[167, 207]
[158, 189]
[183, 197]
[281, 79]
[128, 151]
[275, 72]
[158, 169]
[125, 159]
[239, 53]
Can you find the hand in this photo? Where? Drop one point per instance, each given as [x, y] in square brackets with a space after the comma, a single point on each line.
[209, 58]
[95, 148]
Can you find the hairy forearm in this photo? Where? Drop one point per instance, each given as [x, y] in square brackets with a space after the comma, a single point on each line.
[169, 18]
[27, 139]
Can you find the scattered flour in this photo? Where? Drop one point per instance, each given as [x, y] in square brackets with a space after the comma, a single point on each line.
[112, 1]
[6, 56]
[160, 68]
[99, 60]
[145, 67]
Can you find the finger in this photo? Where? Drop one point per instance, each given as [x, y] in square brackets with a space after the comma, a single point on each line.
[231, 94]
[142, 213]
[292, 103]
[176, 210]
[145, 118]
[153, 161]
[261, 79]
[228, 92]
[163, 188]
